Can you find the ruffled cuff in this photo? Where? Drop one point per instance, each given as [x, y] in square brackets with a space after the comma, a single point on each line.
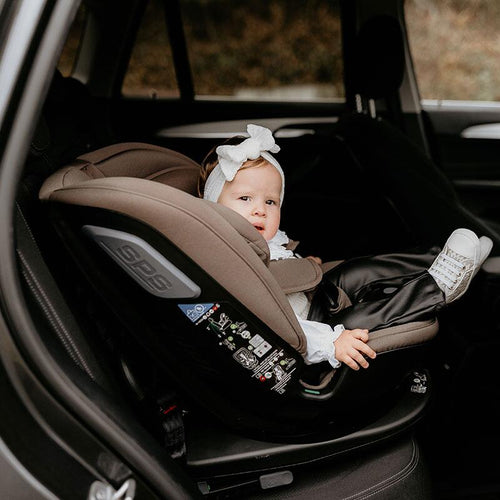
[320, 338]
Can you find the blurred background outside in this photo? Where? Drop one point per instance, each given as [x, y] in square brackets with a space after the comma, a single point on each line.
[291, 49]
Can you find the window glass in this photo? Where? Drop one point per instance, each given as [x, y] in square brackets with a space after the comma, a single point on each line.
[151, 69]
[70, 50]
[276, 49]
[455, 48]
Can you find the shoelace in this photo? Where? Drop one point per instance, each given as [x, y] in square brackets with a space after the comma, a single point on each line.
[452, 269]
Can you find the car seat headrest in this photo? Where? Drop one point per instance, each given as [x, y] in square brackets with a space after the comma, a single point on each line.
[379, 60]
[140, 160]
[134, 159]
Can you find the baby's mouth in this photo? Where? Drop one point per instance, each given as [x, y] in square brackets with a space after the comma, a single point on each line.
[259, 228]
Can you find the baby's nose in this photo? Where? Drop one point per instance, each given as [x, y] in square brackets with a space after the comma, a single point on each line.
[260, 209]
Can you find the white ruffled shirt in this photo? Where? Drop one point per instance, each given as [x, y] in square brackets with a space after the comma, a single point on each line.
[320, 336]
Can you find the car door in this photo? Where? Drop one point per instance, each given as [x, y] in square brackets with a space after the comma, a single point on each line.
[459, 86]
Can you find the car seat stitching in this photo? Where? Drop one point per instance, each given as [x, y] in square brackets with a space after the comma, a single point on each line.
[394, 478]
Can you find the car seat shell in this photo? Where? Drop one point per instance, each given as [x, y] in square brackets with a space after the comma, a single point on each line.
[117, 181]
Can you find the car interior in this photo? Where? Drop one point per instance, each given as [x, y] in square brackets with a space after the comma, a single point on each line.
[165, 312]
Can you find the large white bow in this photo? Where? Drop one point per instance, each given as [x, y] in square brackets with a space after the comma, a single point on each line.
[231, 158]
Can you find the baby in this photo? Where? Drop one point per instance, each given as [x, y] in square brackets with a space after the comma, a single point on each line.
[243, 175]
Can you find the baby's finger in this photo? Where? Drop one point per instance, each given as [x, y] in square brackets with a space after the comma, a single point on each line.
[359, 358]
[360, 334]
[366, 349]
[351, 363]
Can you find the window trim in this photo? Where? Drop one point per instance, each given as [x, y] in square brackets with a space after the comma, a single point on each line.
[180, 55]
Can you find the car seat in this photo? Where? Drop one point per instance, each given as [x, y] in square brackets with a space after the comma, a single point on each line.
[191, 282]
[395, 466]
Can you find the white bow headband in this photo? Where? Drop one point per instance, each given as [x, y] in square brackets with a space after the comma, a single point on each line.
[232, 158]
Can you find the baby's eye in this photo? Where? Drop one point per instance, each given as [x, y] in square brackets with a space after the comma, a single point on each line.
[271, 202]
[244, 198]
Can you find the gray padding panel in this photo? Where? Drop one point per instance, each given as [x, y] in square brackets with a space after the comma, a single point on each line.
[151, 270]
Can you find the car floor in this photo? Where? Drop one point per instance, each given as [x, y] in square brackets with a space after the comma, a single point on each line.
[461, 434]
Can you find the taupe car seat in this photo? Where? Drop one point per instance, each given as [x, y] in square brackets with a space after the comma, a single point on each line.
[191, 283]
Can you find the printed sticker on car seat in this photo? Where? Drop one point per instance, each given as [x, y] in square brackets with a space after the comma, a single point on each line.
[195, 311]
[270, 365]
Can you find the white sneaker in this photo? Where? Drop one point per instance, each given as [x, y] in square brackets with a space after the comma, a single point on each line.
[456, 265]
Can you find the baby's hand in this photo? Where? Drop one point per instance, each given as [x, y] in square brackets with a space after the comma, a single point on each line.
[350, 347]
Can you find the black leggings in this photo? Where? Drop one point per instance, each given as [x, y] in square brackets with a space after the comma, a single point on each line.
[385, 290]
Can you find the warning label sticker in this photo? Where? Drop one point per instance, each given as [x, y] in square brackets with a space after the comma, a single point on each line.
[267, 363]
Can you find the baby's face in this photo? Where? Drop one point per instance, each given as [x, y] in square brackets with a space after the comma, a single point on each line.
[255, 194]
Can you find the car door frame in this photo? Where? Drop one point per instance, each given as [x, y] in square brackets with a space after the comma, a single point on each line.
[53, 424]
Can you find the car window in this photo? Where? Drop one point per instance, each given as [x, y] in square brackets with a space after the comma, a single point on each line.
[452, 48]
[70, 50]
[151, 70]
[273, 49]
